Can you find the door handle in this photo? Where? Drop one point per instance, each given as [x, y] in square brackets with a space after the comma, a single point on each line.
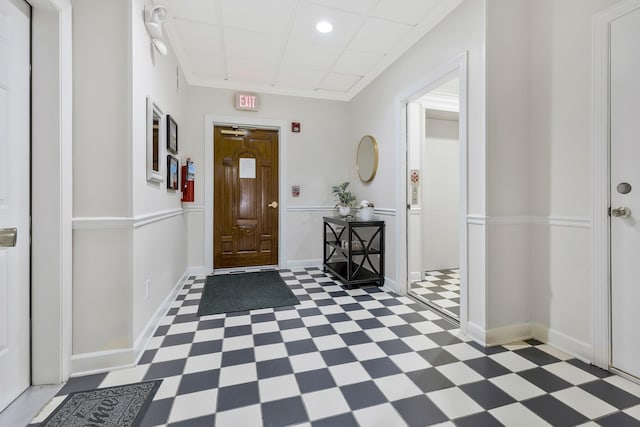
[273, 204]
[621, 212]
[8, 237]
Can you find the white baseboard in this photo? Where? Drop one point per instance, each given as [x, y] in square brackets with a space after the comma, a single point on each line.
[102, 361]
[476, 333]
[507, 334]
[563, 342]
[302, 263]
[415, 276]
[198, 270]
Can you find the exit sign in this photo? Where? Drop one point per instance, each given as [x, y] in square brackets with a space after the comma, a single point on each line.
[247, 101]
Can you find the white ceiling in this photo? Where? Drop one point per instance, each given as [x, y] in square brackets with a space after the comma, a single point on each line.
[272, 46]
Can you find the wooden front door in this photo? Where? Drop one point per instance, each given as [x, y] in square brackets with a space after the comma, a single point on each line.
[245, 218]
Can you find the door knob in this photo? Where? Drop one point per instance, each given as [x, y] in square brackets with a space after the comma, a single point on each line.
[273, 204]
[621, 212]
[8, 237]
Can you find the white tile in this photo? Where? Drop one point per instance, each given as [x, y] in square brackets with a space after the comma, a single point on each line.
[349, 373]
[278, 388]
[168, 388]
[189, 309]
[396, 387]
[463, 351]
[182, 328]
[237, 321]
[570, 373]
[360, 314]
[516, 345]
[237, 343]
[203, 362]
[209, 335]
[270, 351]
[286, 315]
[124, 376]
[459, 373]
[427, 327]
[245, 416]
[584, 402]
[154, 343]
[237, 374]
[367, 351]
[513, 361]
[380, 334]
[419, 342]
[392, 321]
[264, 327]
[324, 403]
[315, 320]
[402, 309]
[330, 309]
[633, 412]
[454, 402]
[409, 362]
[515, 414]
[517, 387]
[380, 415]
[173, 352]
[295, 334]
[328, 342]
[193, 405]
[346, 327]
[307, 362]
[624, 384]
[554, 352]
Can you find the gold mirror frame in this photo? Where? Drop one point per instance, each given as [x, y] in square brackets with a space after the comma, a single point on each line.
[367, 148]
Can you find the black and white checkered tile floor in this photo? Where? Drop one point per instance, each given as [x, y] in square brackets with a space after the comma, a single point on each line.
[440, 288]
[356, 357]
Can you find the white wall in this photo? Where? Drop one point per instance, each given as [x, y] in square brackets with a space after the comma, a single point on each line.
[440, 205]
[316, 159]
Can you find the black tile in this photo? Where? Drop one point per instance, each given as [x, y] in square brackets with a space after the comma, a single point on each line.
[354, 338]
[544, 379]
[284, 412]
[342, 420]
[185, 318]
[264, 317]
[161, 330]
[533, 341]
[321, 330]
[87, 382]
[351, 307]
[178, 339]
[362, 395]
[306, 312]
[158, 413]
[445, 324]
[380, 312]
[481, 419]
[370, 323]
[290, 324]
[165, 369]
[320, 379]
[611, 394]
[338, 317]
[419, 411]
[199, 381]
[619, 419]
[404, 331]
[325, 302]
[537, 356]
[210, 324]
[267, 338]
[238, 357]
[190, 302]
[487, 395]
[487, 367]
[208, 420]
[236, 396]
[390, 302]
[593, 370]
[381, 367]
[444, 338]
[553, 411]
[413, 318]
[273, 368]
[338, 356]
[237, 331]
[487, 350]
[237, 313]
[301, 346]
[362, 298]
[437, 356]
[336, 294]
[205, 347]
[429, 380]
[147, 356]
[391, 347]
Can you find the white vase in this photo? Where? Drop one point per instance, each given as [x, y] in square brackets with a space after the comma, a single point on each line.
[366, 213]
[344, 210]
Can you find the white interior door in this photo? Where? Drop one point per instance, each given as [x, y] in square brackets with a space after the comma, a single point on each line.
[14, 199]
[625, 168]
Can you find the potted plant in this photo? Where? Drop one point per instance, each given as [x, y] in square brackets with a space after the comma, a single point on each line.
[344, 197]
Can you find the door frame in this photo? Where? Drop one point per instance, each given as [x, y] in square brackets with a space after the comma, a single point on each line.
[601, 280]
[212, 120]
[458, 66]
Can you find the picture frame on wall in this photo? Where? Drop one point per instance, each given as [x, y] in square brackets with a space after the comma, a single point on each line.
[172, 135]
[154, 137]
[173, 166]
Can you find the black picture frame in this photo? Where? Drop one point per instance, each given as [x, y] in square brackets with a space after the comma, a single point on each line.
[173, 172]
[172, 135]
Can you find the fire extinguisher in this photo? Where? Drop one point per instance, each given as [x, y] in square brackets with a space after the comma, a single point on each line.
[188, 177]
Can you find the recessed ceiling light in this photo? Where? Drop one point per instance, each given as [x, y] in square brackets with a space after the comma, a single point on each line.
[324, 27]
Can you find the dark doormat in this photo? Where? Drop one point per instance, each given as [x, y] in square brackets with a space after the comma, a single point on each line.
[226, 293]
[118, 406]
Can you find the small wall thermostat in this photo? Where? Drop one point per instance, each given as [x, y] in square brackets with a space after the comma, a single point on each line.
[295, 190]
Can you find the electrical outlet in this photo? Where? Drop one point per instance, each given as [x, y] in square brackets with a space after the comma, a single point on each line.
[146, 289]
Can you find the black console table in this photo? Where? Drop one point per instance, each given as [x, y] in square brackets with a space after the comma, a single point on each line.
[354, 250]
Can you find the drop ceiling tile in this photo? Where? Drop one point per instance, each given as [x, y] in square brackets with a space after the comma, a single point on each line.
[357, 63]
[198, 37]
[339, 82]
[379, 36]
[204, 65]
[298, 78]
[405, 11]
[345, 25]
[362, 7]
[309, 55]
[192, 10]
[247, 44]
[271, 17]
[250, 71]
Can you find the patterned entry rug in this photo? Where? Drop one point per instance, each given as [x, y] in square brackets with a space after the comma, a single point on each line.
[120, 406]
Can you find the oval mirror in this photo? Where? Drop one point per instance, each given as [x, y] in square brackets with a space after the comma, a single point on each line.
[367, 158]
